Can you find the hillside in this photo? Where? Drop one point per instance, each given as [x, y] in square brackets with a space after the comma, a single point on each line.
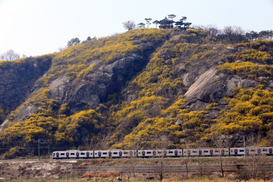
[172, 88]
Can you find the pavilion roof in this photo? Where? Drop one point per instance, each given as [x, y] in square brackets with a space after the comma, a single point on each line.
[165, 21]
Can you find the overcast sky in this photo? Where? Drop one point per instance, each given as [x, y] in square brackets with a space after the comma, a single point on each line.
[36, 27]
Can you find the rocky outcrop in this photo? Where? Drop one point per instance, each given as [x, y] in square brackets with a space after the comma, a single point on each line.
[211, 87]
[26, 111]
[18, 79]
[203, 85]
[93, 89]
[57, 88]
[105, 80]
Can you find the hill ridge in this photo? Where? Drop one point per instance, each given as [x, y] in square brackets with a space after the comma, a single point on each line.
[107, 92]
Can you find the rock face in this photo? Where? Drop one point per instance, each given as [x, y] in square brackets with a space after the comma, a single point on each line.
[95, 88]
[26, 111]
[80, 93]
[206, 89]
[18, 79]
[211, 88]
[57, 88]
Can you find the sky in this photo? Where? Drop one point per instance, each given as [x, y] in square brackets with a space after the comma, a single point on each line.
[37, 27]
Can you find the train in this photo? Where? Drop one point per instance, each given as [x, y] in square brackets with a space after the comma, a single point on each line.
[119, 153]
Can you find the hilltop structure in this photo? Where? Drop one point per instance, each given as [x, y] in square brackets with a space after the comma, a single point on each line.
[165, 23]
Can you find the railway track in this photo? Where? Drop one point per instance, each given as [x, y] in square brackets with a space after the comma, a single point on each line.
[175, 169]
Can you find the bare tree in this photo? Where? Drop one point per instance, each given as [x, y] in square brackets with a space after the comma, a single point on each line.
[259, 160]
[164, 145]
[200, 163]
[9, 55]
[220, 142]
[129, 25]
[233, 34]
[186, 160]
[212, 30]
[162, 140]
[133, 154]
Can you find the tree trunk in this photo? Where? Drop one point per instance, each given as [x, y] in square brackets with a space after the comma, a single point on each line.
[187, 171]
[222, 170]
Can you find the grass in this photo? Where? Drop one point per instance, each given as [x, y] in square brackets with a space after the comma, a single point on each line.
[133, 179]
[167, 161]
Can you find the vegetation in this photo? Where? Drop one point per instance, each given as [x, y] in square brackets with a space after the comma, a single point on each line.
[250, 113]
[151, 106]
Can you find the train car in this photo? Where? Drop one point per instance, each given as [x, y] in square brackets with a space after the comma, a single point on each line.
[90, 154]
[145, 153]
[266, 150]
[73, 154]
[102, 153]
[160, 153]
[70, 154]
[164, 153]
[205, 152]
[224, 151]
[197, 152]
[59, 155]
[219, 151]
[129, 153]
[238, 151]
[86, 154]
[190, 152]
[82, 154]
[115, 153]
[174, 153]
[251, 150]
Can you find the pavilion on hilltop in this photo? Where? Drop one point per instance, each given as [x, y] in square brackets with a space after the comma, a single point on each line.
[166, 23]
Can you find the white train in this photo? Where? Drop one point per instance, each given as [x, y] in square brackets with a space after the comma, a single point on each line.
[115, 153]
[118, 153]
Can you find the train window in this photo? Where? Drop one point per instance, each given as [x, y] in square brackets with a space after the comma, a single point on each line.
[125, 152]
[149, 152]
[115, 153]
[252, 150]
[82, 153]
[96, 153]
[241, 150]
[170, 152]
[72, 154]
[265, 149]
[216, 150]
[104, 153]
[231, 151]
[62, 153]
[159, 152]
[194, 151]
[54, 154]
[206, 151]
